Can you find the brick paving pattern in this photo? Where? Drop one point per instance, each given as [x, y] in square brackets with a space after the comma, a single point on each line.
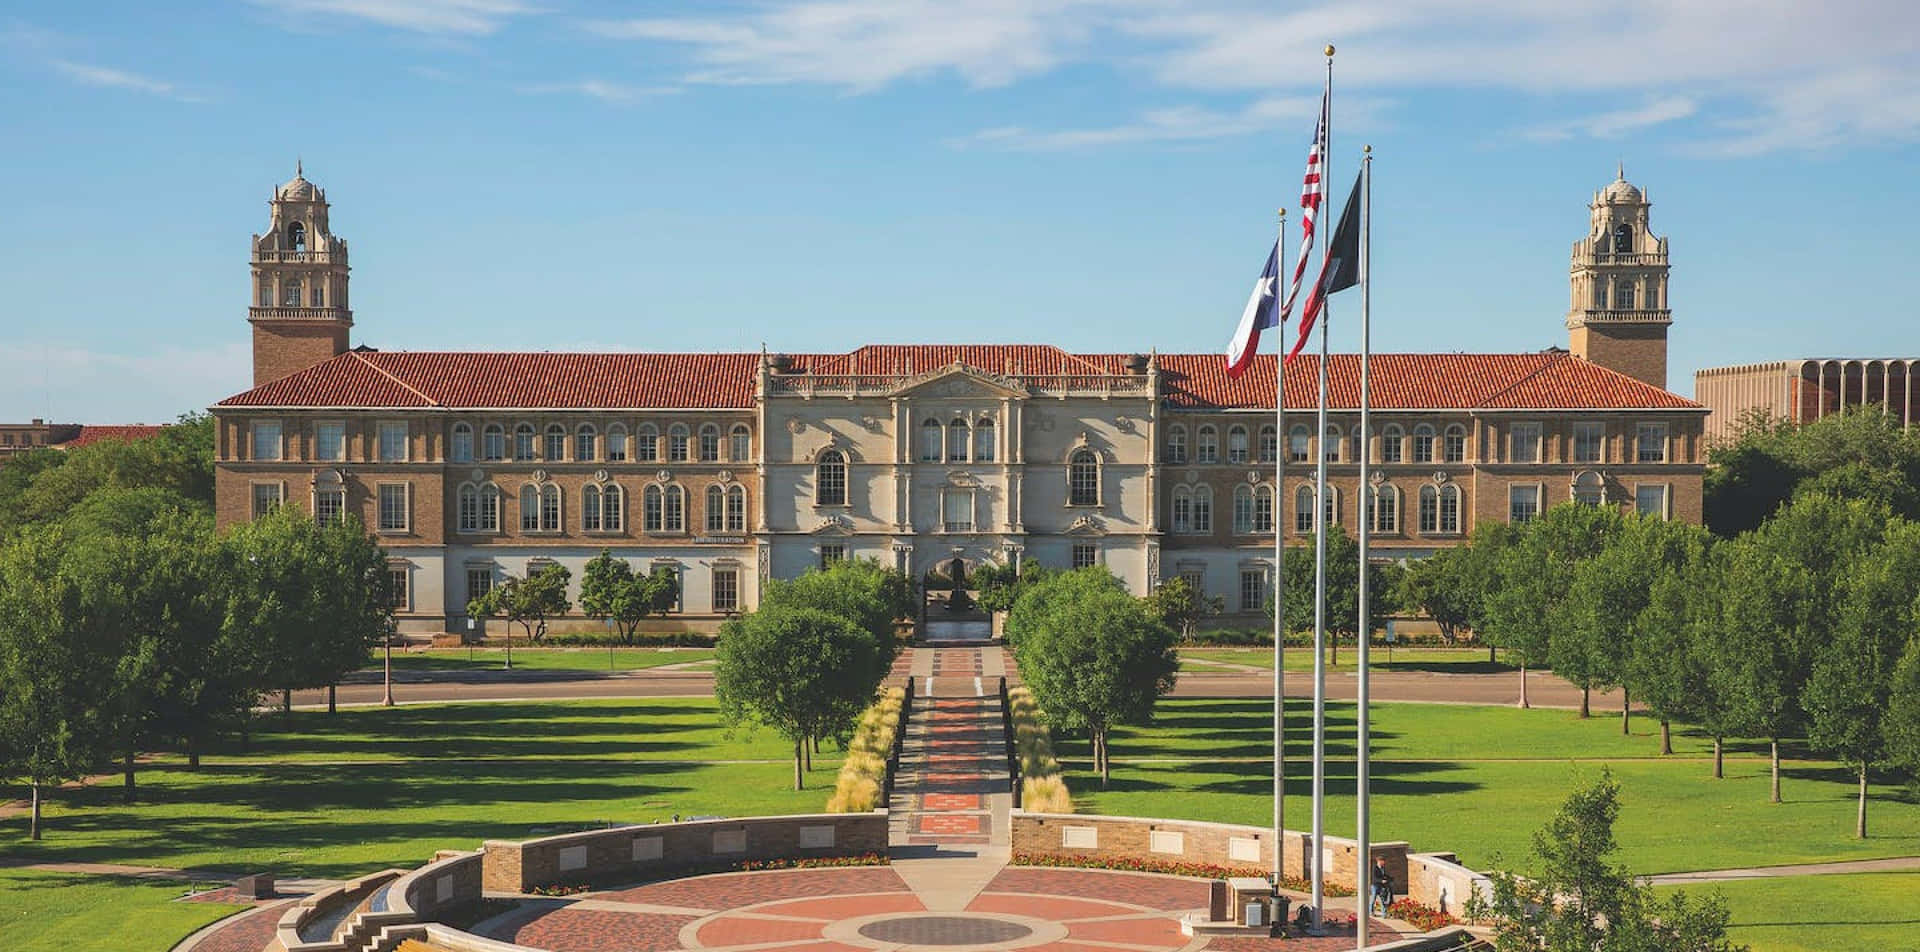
[734, 890]
[246, 932]
[953, 755]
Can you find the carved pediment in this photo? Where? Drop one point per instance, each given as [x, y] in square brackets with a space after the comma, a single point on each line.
[960, 380]
[834, 524]
[1087, 525]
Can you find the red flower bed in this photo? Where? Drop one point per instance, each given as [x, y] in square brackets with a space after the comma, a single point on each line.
[1423, 918]
[1166, 867]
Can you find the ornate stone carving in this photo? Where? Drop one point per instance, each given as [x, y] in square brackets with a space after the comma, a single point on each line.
[1253, 477]
[725, 475]
[663, 476]
[1087, 525]
[1377, 478]
[599, 475]
[796, 426]
[477, 475]
[539, 475]
[1440, 477]
[766, 563]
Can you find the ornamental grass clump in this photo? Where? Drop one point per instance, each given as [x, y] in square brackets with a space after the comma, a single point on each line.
[863, 774]
[1042, 790]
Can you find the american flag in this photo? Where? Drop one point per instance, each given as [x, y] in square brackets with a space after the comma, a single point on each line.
[1313, 192]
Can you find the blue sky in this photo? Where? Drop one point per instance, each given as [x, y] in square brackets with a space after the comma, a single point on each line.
[817, 174]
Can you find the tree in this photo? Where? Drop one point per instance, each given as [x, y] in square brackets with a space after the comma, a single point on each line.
[1578, 902]
[1092, 654]
[1180, 606]
[1343, 591]
[1473, 572]
[526, 601]
[1000, 586]
[787, 668]
[1605, 613]
[610, 589]
[1530, 580]
[179, 458]
[1428, 587]
[862, 591]
[1862, 453]
[1903, 710]
[1671, 660]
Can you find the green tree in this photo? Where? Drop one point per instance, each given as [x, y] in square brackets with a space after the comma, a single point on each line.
[1426, 587]
[526, 601]
[610, 589]
[862, 591]
[1670, 664]
[179, 458]
[1528, 585]
[787, 668]
[1863, 453]
[1000, 586]
[1180, 606]
[1605, 613]
[1903, 710]
[1092, 654]
[1343, 591]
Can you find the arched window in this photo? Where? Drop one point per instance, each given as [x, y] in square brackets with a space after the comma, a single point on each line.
[1203, 510]
[1330, 443]
[493, 442]
[1243, 509]
[1176, 444]
[1392, 444]
[523, 440]
[468, 508]
[296, 236]
[1183, 509]
[1423, 443]
[1299, 442]
[1333, 506]
[983, 440]
[677, 443]
[1083, 479]
[646, 443]
[740, 444]
[1623, 294]
[1237, 450]
[462, 449]
[1386, 509]
[489, 508]
[1450, 509]
[529, 508]
[617, 443]
[290, 290]
[1263, 509]
[1429, 510]
[555, 448]
[586, 443]
[676, 515]
[1207, 446]
[1623, 239]
[613, 508]
[1269, 444]
[590, 508]
[931, 436]
[1303, 510]
[709, 443]
[1455, 444]
[652, 507]
[716, 509]
[957, 435]
[830, 479]
[736, 509]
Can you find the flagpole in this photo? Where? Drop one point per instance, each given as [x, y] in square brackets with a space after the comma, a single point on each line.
[1279, 565]
[1320, 571]
[1367, 503]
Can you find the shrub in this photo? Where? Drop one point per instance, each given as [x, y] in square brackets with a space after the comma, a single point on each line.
[1042, 790]
[655, 639]
[1424, 918]
[863, 774]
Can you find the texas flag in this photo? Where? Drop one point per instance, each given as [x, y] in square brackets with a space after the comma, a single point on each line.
[1263, 311]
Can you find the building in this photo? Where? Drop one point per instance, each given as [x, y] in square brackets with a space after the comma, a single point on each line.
[733, 468]
[1804, 389]
[18, 438]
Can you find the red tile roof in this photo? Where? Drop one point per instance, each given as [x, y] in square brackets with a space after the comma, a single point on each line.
[401, 379]
[95, 434]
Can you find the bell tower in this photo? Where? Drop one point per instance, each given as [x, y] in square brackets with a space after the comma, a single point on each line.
[299, 311]
[1618, 317]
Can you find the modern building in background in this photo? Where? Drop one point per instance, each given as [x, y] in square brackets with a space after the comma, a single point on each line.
[1804, 389]
[16, 438]
[734, 468]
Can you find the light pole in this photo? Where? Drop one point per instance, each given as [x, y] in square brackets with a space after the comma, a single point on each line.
[387, 644]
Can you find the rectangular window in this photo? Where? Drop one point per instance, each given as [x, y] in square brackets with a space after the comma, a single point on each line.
[399, 599]
[329, 506]
[736, 510]
[393, 442]
[1523, 503]
[266, 439]
[1524, 443]
[1650, 500]
[726, 590]
[1589, 440]
[479, 582]
[267, 497]
[393, 507]
[330, 441]
[1196, 580]
[1650, 443]
[1085, 554]
[957, 510]
[1253, 590]
[831, 552]
[1386, 509]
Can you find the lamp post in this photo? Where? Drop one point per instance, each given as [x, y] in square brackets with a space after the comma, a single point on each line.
[387, 645]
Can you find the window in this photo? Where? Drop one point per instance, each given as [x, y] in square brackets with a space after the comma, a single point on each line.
[652, 508]
[555, 448]
[1196, 579]
[830, 479]
[1450, 509]
[461, 450]
[736, 509]
[494, 442]
[290, 291]
[1083, 479]
[1183, 509]
[398, 599]
[1208, 448]
[1243, 509]
[646, 443]
[1423, 443]
[740, 443]
[613, 508]
[539, 508]
[296, 236]
[1589, 441]
[467, 508]
[1650, 443]
[726, 590]
[1386, 509]
[1203, 510]
[330, 441]
[393, 507]
[709, 444]
[677, 443]
[1622, 239]
[479, 582]
[1299, 443]
[1429, 510]
[1269, 444]
[1330, 443]
[1085, 554]
[671, 569]
[1650, 499]
[329, 505]
[1392, 444]
[1176, 444]
[393, 442]
[676, 514]
[267, 497]
[956, 509]
[930, 441]
[1589, 489]
[1523, 503]
[523, 442]
[1237, 450]
[317, 295]
[1523, 443]
[957, 441]
[266, 439]
[1303, 510]
[1253, 590]
[590, 501]
[983, 440]
[1263, 510]
[1332, 515]
[586, 443]
[716, 509]
[1623, 294]
[1455, 444]
[831, 552]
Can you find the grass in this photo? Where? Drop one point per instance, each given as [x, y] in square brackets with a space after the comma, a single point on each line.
[543, 659]
[50, 912]
[1849, 912]
[1480, 780]
[1447, 660]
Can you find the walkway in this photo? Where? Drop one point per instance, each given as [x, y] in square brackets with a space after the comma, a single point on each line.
[1896, 864]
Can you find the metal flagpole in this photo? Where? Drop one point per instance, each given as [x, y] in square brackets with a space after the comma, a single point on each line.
[1361, 798]
[1279, 563]
[1320, 565]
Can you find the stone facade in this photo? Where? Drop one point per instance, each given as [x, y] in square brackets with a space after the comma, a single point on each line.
[1804, 389]
[660, 849]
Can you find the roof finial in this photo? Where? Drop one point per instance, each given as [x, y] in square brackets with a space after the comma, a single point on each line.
[299, 168]
[1622, 173]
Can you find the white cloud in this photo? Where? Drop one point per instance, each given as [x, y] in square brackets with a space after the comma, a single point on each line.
[88, 74]
[467, 17]
[618, 94]
[1612, 125]
[1177, 124]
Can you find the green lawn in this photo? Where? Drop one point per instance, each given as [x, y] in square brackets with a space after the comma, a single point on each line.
[542, 659]
[1852, 912]
[1480, 780]
[1448, 660]
[57, 912]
